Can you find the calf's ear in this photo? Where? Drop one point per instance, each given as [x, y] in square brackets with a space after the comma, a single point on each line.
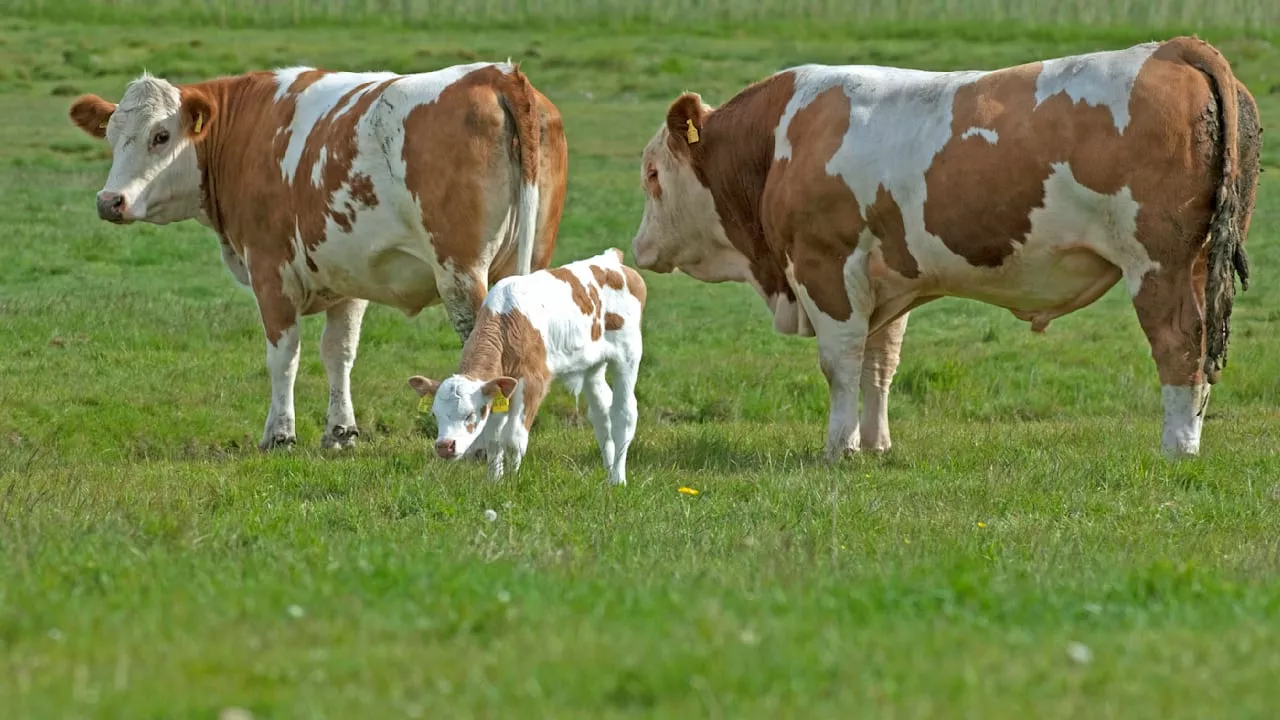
[685, 118]
[90, 113]
[424, 386]
[196, 113]
[506, 384]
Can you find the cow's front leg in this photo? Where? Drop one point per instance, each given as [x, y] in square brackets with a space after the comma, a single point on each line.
[462, 292]
[338, 347]
[280, 322]
[879, 363]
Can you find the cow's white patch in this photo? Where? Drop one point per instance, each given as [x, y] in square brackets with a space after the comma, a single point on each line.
[315, 102]
[991, 136]
[1184, 408]
[1098, 79]
[317, 170]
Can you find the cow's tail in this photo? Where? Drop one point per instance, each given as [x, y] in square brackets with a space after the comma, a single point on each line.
[1234, 202]
[520, 101]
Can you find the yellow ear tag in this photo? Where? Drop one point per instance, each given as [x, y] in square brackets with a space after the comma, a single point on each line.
[424, 404]
[693, 132]
[501, 404]
[199, 122]
[103, 126]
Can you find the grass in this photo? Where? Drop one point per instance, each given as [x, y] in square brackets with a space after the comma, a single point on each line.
[154, 564]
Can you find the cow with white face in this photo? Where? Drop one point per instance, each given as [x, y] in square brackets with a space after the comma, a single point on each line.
[846, 196]
[328, 190]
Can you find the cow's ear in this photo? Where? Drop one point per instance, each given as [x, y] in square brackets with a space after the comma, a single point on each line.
[90, 113]
[424, 386]
[196, 113]
[684, 121]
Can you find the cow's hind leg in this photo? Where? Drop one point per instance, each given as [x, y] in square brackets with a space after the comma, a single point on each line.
[623, 415]
[599, 402]
[1170, 306]
[280, 321]
[879, 363]
[338, 347]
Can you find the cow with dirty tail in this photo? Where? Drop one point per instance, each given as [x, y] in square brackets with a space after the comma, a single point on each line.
[846, 196]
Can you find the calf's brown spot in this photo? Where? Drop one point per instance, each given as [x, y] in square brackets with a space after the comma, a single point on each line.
[580, 296]
[612, 321]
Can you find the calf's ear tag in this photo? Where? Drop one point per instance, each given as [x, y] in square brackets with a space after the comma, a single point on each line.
[501, 404]
[424, 404]
[693, 132]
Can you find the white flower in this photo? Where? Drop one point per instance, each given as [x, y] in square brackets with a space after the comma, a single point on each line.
[490, 515]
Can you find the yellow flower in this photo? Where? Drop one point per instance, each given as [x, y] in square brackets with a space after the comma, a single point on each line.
[688, 491]
[981, 524]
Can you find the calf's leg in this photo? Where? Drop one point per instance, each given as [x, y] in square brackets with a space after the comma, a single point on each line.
[599, 402]
[623, 415]
[338, 347]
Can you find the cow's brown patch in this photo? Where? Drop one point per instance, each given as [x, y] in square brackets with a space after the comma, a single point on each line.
[732, 159]
[608, 277]
[612, 321]
[306, 79]
[596, 332]
[810, 214]
[580, 296]
[635, 284]
[884, 219]
[507, 344]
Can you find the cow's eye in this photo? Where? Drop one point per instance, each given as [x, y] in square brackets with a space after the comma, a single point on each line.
[161, 137]
[471, 418]
[652, 174]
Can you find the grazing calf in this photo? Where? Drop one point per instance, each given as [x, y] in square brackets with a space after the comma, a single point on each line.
[328, 190]
[567, 323]
[849, 195]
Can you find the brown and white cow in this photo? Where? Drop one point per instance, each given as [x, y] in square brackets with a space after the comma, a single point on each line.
[849, 195]
[331, 189]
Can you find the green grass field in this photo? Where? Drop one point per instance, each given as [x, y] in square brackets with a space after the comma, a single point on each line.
[154, 564]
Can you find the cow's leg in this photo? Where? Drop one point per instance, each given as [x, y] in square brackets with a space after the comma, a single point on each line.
[524, 408]
[599, 404]
[879, 363]
[280, 321]
[462, 292]
[623, 415]
[338, 347]
[1170, 306]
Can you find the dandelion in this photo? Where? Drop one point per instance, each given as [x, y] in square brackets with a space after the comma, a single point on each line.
[490, 515]
[688, 491]
[981, 524]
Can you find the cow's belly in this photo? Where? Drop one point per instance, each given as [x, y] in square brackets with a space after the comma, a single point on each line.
[399, 274]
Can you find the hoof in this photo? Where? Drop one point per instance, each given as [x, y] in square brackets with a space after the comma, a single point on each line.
[278, 440]
[835, 456]
[340, 437]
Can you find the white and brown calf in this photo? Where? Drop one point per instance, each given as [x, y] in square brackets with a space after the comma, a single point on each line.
[328, 190]
[569, 324]
[849, 195]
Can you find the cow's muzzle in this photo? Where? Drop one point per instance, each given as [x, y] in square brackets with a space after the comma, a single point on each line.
[112, 207]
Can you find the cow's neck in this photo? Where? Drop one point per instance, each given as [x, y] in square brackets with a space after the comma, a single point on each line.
[241, 133]
[733, 161]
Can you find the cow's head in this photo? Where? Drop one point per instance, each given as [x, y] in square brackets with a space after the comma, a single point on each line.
[681, 228]
[462, 406]
[153, 131]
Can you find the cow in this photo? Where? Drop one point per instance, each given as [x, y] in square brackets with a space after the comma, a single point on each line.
[328, 190]
[569, 324]
[847, 196]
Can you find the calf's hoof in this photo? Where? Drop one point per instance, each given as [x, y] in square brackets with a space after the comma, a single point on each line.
[340, 437]
[278, 440]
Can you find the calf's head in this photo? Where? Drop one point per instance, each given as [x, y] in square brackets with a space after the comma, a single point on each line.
[462, 407]
[152, 132]
[680, 228]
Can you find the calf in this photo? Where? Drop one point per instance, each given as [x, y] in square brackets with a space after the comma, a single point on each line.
[328, 190]
[568, 323]
[849, 195]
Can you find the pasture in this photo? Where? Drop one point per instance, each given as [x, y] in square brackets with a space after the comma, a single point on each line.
[1023, 551]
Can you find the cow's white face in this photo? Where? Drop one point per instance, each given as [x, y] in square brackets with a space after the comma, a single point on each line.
[462, 407]
[680, 228]
[152, 132]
